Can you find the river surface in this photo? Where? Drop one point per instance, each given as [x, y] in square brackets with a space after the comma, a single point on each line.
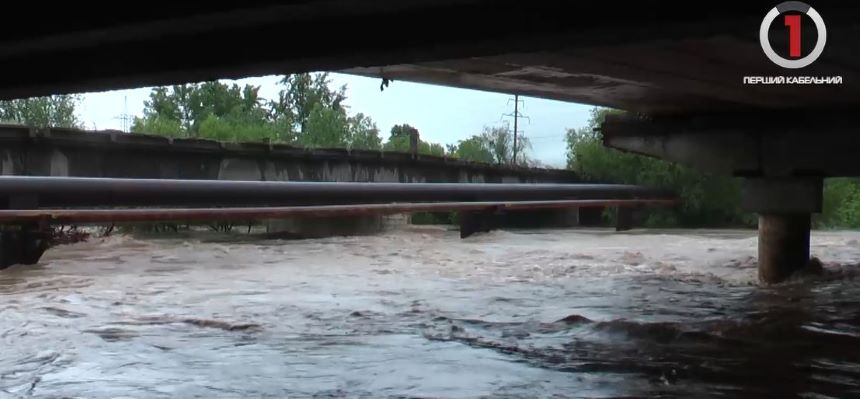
[419, 313]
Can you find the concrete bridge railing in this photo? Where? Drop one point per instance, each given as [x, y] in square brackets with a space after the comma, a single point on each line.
[71, 152]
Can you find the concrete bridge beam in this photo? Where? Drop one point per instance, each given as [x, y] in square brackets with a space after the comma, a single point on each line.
[781, 161]
[772, 145]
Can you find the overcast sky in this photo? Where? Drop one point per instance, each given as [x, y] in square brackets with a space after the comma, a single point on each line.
[441, 114]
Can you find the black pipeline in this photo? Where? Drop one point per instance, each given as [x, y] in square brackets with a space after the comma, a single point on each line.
[22, 192]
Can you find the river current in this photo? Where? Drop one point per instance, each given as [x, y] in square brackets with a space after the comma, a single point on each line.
[419, 313]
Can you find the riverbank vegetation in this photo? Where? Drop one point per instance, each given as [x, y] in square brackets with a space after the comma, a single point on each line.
[706, 200]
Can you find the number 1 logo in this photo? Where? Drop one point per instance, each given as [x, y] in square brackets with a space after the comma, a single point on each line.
[793, 22]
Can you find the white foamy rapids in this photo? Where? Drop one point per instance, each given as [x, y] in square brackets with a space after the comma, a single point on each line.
[418, 312]
[503, 256]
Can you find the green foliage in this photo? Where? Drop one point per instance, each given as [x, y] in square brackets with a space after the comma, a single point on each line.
[706, 200]
[500, 140]
[474, 149]
[306, 112]
[493, 145]
[52, 111]
[431, 149]
[210, 110]
[363, 133]
[191, 104]
[399, 141]
[841, 207]
[158, 125]
[401, 144]
[402, 130]
[226, 128]
[325, 127]
[303, 93]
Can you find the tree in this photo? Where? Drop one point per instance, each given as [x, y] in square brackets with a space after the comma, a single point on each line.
[52, 111]
[841, 203]
[363, 133]
[306, 112]
[232, 129]
[493, 145]
[158, 125]
[399, 140]
[434, 149]
[501, 144]
[325, 127]
[474, 149]
[402, 130]
[211, 110]
[302, 93]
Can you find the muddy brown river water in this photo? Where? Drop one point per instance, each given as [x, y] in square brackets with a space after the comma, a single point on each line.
[419, 313]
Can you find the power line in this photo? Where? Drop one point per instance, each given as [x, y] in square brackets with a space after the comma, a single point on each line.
[516, 115]
[124, 117]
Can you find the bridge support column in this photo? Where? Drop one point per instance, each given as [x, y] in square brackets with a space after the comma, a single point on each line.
[623, 218]
[23, 245]
[477, 222]
[297, 227]
[783, 245]
[784, 206]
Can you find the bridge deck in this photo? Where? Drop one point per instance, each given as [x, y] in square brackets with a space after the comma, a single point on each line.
[648, 56]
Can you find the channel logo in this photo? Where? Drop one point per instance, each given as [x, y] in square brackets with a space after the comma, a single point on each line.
[794, 24]
[788, 18]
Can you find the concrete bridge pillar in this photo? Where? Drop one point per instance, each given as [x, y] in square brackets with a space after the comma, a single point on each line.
[298, 227]
[783, 245]
[22, 245]
[784, 206]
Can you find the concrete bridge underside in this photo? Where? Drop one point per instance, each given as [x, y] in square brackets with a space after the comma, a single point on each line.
[678, 67]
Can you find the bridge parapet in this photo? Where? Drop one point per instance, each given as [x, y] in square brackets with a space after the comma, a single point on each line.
[72, 152]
